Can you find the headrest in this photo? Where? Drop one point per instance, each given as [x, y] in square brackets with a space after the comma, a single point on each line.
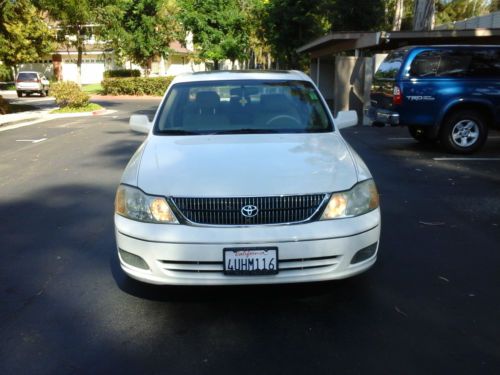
[207, 99]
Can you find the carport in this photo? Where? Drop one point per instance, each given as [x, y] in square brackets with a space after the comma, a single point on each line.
[342, 64]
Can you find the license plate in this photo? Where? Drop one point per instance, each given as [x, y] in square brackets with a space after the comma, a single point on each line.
[251, 261]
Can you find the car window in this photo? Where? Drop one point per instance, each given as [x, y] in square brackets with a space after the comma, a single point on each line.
[425, 64]
[485, 63]
[24, 76]
[391, 65]
[246, 106]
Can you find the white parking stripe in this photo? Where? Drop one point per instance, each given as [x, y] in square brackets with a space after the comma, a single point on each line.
[466, 159]
[32, 140]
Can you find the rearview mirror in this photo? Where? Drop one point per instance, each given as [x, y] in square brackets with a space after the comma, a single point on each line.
[140, 123]
[346, 119]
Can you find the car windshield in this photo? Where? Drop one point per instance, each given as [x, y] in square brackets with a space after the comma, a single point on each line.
[242, 107]
[27, 76]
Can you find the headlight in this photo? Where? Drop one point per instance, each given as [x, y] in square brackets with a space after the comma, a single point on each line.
[134, 204]
[362, 198]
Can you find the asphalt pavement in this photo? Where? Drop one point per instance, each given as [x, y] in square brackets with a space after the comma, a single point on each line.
[429, 306]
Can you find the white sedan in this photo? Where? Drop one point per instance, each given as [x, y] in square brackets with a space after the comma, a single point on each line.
[244, 178]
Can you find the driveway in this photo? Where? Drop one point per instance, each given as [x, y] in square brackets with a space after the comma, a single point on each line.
[430, 304]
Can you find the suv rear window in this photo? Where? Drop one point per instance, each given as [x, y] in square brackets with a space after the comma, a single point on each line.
[391, 65]
[23, 76]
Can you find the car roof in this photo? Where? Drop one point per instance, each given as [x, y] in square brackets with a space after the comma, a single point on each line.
[29, 71]
[227, 75]
[449, 46]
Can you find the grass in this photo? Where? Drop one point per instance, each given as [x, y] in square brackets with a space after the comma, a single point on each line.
[93, 88]
[88, 108]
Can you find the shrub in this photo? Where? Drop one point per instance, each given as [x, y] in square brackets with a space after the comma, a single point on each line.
[69, 94]
[4, 106]
[136, 86]
[6, 73]
[122, 73]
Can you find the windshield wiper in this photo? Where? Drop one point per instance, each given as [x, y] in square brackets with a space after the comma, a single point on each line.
[245, 131]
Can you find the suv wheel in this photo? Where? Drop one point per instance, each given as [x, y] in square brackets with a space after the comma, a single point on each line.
[464, 132]
[420, 134]
[19, 94]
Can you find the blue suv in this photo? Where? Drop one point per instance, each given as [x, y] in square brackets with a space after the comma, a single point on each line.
[445, 93]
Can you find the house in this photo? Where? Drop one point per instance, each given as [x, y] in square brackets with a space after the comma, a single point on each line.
[97, 58]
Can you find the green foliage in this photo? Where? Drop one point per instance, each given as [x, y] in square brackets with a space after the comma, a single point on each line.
[69, 94]
[122, 73]
[140, 29]
[136, 86]
[457, 10]
[289, 24]
[5, 74]
[220, 28]
[356, 15]
[24, 36]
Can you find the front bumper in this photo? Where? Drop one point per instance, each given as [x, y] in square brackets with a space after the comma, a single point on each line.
[382, 116]
[190, 255]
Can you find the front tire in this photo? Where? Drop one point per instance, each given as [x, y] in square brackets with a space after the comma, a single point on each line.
[464, 132]
[19, 94]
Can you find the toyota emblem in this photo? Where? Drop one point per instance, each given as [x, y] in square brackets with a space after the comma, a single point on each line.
[249, 210]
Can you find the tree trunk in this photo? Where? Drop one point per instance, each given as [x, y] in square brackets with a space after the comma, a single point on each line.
[79, 65]
[398, 15]
[79, 48]
[216, 64]
[423, 15]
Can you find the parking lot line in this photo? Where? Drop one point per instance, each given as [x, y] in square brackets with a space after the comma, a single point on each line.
[466, 159]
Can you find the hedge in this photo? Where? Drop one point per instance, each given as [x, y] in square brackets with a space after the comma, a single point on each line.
[136, 86]
[122, 73]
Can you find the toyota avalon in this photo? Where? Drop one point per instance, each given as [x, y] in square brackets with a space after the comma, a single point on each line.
[244, 178]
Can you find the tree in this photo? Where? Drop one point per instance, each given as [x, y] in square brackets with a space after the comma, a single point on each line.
[355, 15]
[24, 36]
[457, 10]
[398, 15]
[220, 28]
[141, 29]
[289, 24]
[423, 18]
[74, 20]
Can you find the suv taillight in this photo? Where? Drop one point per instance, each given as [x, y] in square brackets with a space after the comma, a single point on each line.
[397, 97]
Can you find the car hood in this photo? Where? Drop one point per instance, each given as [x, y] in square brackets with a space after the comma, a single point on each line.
[245, 165]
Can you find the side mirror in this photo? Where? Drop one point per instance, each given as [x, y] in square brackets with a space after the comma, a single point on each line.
[140, 123]
[346, 119]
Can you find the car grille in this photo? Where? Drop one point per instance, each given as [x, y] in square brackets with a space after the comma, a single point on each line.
[271, 210]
